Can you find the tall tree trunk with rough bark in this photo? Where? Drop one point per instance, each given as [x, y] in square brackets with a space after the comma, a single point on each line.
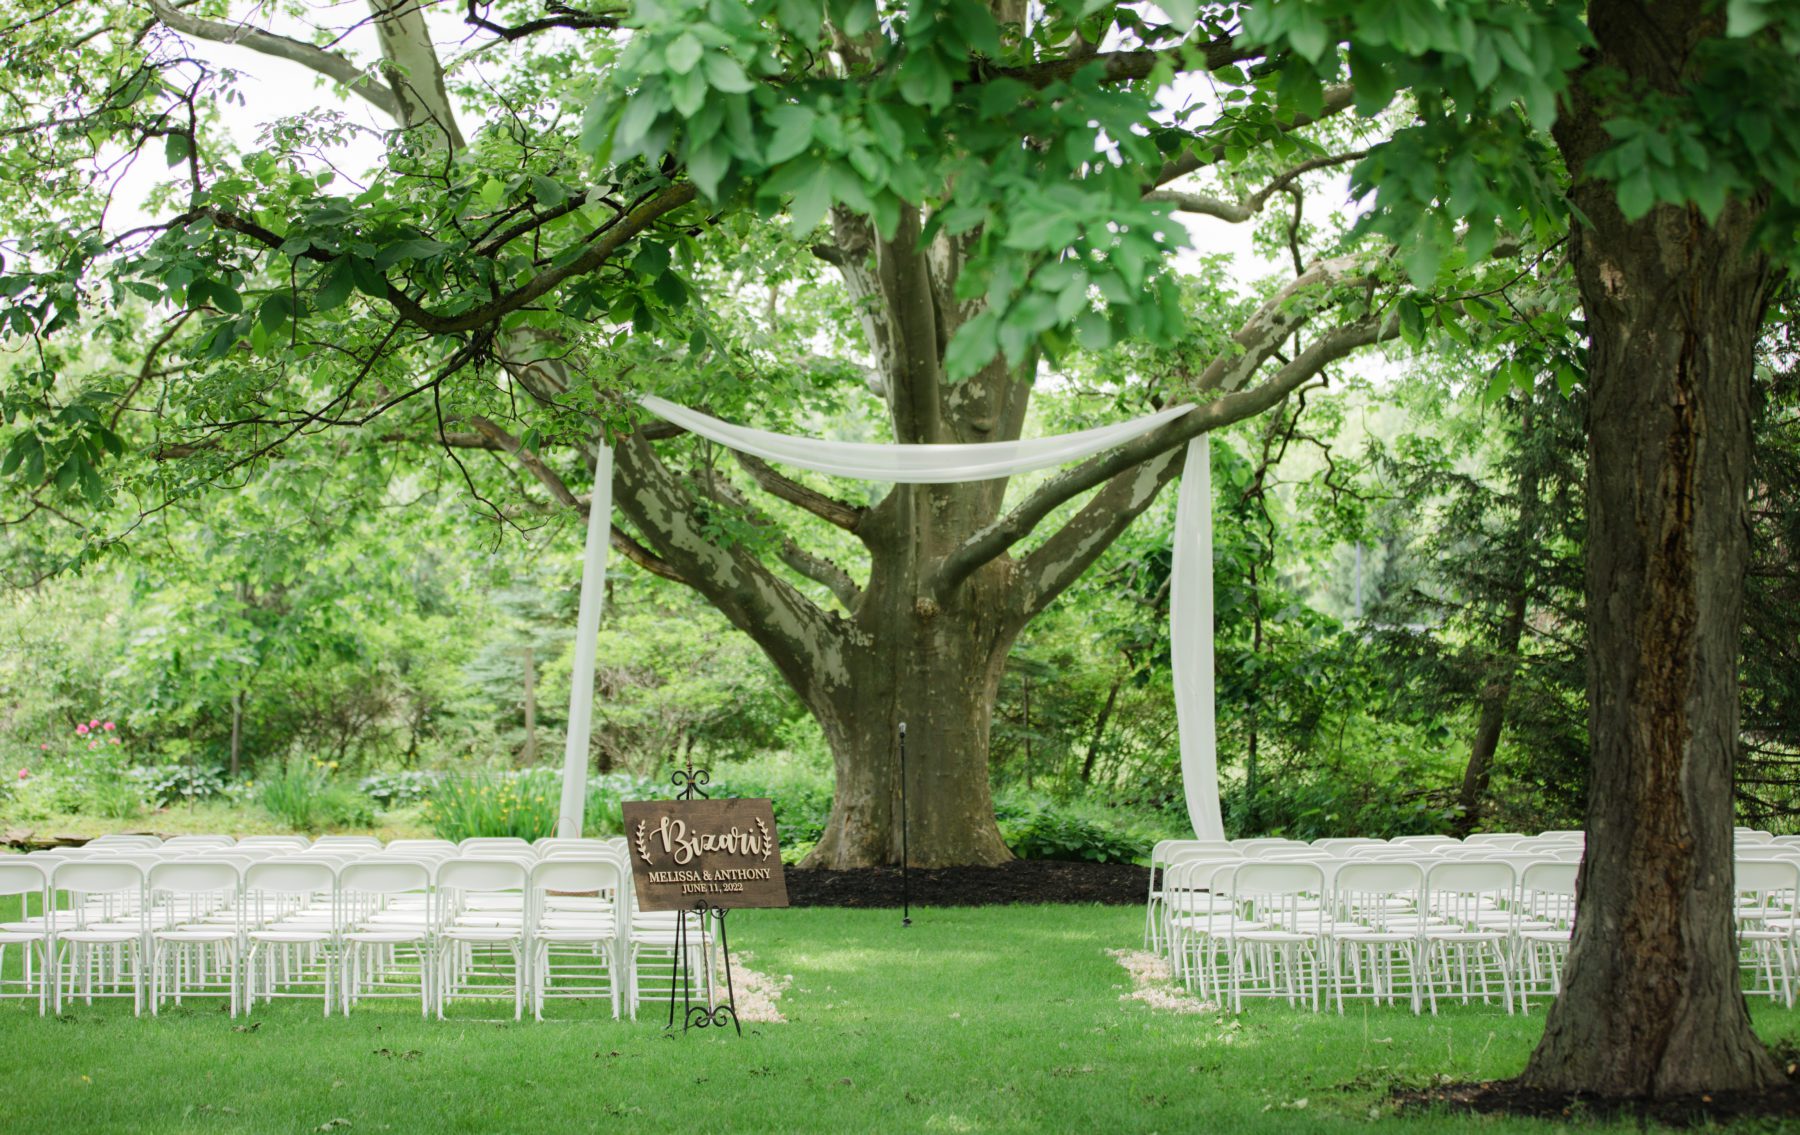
[1651, 1004]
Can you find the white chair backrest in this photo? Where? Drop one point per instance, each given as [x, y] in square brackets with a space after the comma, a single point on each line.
[1463, 877]
[194, 876]
[484, 845]
[296, 842]
[189, 841]
[1549, 878]
[291, 876]
[98, 876]
[578, 876]
[1370, 878]
[22, 877]
[1766, 876]
[348, 842]
[1263, 878]
[384, 876]
[482, 874]
[116, 841]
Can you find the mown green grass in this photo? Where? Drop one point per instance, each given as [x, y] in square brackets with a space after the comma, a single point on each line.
[990, 1020]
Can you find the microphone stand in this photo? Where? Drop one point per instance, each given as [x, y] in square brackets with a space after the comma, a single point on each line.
[905, 889]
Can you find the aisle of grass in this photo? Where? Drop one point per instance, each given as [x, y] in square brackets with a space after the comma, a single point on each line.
[998, 1019]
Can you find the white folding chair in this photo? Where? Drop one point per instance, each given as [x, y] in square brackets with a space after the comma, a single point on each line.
[1374, 935]
[1766, 898]
[480, 913]
[1279, 951]
[575, 930]
[385, 937]
[196, 931]
[1469, 935]
[31, 933]
[290, 913]
[106, 943]
[1547, 900]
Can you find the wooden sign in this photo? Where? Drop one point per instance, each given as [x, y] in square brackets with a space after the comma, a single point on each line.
[721, 852]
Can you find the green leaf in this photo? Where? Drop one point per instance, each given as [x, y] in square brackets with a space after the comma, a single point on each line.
[651, 261]
[336, 289]
[725, 74]
[684, 53]
[276, 310]
[1181, 12]
[793, 133]
[972, 347]
[176, 148]
[15, 453]
[369, 280]
[811, 200]
[1308, 37]
[1637, 195]
[670, 289]
[706, 167]
[417, 248]
[548, 191]
[1746, 17]
[492, 190]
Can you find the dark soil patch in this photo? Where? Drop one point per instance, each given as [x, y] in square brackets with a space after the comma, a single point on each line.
[1508, 1097]
[1021, 881]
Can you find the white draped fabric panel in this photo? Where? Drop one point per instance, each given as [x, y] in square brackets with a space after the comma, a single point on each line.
[1191, 598]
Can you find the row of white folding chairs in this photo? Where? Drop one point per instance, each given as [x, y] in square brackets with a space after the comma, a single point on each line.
[1371, 926]
[304, 914]
[1556, 846]
[300, 843]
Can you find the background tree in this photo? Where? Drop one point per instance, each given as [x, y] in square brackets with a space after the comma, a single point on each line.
[989, 186]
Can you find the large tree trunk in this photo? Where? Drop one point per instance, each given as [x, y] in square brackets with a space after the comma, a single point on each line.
[938, 671]
[1651, 1004]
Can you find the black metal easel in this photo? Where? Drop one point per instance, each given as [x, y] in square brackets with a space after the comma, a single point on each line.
[692, 784]
[905, 854]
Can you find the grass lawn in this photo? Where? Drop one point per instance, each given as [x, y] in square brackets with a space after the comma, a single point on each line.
[995, 1019]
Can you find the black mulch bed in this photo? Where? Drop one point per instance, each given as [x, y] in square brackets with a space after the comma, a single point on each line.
[1021, 881]
[1507, 1097]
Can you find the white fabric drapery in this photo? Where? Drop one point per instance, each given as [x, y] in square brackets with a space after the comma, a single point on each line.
[1190, 602]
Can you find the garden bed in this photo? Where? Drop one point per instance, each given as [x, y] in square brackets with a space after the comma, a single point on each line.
[1021, 881]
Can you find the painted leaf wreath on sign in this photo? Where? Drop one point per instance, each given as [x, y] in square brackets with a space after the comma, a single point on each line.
[725, 853]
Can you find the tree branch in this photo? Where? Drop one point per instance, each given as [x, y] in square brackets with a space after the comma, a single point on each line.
[327, 63]
[642, 556]
[813, 567]
[546, 475]
[828, 508]
[1337, 100]
[1060, 560]
[1245, 208]
[802, 641]
[562, 16]
[1124, 66]
[1003, 533]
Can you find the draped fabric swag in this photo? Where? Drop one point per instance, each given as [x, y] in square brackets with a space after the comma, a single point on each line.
[1191, 591]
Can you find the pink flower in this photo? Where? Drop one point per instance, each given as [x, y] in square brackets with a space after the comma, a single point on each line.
[109, 727]
[93, 744]
[82, 730]
[24, 774]
[45, 746]
[112, 740]
[94, 724]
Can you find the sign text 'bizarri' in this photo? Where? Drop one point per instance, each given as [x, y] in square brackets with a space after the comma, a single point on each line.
[722, 852]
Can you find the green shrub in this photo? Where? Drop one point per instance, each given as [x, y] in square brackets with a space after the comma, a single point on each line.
[602, 815]
[305, 797]
[163, 785]
[400, 789]
[1047, 832]
[523, 804]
